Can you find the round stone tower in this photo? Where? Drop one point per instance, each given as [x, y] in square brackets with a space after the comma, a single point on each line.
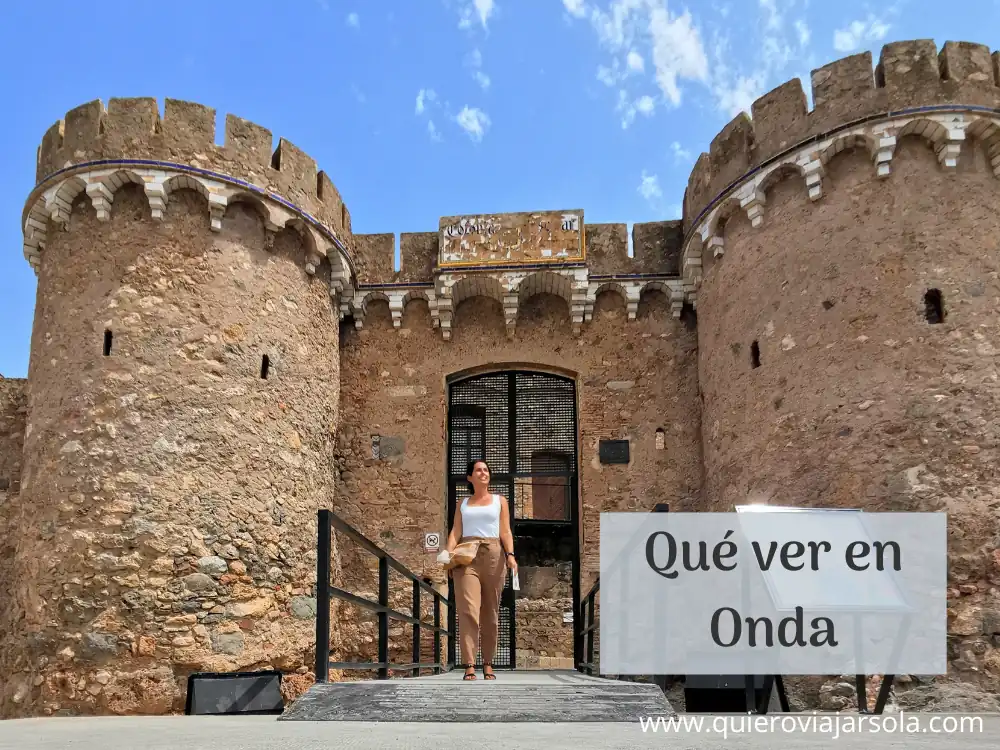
[847, 273]
[183, 400]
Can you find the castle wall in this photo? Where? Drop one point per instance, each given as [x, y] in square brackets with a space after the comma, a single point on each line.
[632, 378]
[169, 491]
[13, 413]
[13, 395]
[860, 399]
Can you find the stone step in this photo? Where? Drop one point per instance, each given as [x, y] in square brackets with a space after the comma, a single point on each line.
[537, 698]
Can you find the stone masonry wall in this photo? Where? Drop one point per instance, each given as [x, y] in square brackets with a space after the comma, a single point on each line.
[13, 413]
[169, 491]
[632, 378]
[859, 400]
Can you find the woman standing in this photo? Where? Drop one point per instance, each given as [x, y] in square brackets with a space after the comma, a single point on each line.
[483, 518]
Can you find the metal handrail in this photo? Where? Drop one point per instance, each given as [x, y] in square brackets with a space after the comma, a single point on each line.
[589, 628]
[328, 521]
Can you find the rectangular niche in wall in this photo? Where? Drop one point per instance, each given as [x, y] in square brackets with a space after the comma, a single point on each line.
[614, 451]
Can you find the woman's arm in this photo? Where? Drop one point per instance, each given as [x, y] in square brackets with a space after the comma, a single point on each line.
[456, 529]
[506, 535]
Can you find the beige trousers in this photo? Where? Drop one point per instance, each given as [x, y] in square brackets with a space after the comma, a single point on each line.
[477, 591]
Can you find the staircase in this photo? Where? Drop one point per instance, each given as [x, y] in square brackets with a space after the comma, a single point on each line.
[533, 696]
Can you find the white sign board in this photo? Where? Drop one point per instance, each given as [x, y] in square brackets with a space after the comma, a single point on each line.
[432, 541]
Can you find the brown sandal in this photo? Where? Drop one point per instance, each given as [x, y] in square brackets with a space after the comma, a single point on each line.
[470, 675]
[488, 675]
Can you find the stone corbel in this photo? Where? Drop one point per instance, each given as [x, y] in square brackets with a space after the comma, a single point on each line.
[579, 299]
[216, 208]
[101, 199]
[812, 169]
[632, 294]
[752, 201]
[313, 263]
[510, 311]
[157, 197]
[951, 148]
[885, 147]
[676, 301]
[396, 308]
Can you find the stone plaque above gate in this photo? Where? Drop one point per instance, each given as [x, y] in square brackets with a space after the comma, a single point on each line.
[512, 239]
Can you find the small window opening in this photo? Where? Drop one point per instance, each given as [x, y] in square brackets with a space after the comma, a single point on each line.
[689, 316]
[933, 306]
[755, 355]
[827, 304]
[107, 343]
[660, 438]
[265, 366]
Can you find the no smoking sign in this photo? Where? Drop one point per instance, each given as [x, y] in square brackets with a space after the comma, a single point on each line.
[432, 541]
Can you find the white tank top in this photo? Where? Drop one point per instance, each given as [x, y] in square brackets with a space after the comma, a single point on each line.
[481, 520]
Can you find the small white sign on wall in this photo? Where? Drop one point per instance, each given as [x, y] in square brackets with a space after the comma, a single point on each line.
[432, 541]
[568, 616]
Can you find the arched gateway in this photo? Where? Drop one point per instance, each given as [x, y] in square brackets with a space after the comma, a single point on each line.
[524, 424]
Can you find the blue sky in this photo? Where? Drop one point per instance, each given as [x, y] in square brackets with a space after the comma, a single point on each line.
[424, 108]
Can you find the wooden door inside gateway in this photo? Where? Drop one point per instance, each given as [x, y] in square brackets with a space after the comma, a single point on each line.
[524, 424]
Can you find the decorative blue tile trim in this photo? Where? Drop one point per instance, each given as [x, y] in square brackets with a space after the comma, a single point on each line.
[513, 267]
[397, 285]
[634, 276]
[219, 176]
[827, 134]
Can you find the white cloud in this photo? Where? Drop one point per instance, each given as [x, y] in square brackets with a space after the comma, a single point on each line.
[804, 34]
[473, 121]
[672, 42]
[677, 52]
[660, 42]
[475, 60]
[481, 9]
[424, 96]
[433, 131]
[644, 105]
[680, 153]
[649, 187]
[353, 20]
[606, 76]
[774, 19]
[856, 33]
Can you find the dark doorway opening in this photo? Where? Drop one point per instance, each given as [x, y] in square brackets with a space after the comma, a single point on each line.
[524, 424]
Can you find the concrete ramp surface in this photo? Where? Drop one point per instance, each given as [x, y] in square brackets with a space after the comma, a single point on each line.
[563, 696]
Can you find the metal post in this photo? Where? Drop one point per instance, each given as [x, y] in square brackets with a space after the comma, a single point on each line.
[383, 618]
[437, 634]
[862, 690]
[323, 539]
[590, 636]
[416, 627]
[452, 625]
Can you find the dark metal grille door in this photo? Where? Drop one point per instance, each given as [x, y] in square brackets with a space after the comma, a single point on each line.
[524, 425]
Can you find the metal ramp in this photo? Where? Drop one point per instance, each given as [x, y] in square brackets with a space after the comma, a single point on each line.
[529, 696]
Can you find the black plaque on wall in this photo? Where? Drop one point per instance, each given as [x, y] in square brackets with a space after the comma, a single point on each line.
[613, 451]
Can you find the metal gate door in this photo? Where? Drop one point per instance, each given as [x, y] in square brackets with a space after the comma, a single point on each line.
[524, 425]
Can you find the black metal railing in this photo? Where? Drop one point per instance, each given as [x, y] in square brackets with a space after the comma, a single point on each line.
[589, 623]
[327, 522]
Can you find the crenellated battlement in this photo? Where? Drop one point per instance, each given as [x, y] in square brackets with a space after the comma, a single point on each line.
[909, 74]
[512, 257]
[132, 129]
